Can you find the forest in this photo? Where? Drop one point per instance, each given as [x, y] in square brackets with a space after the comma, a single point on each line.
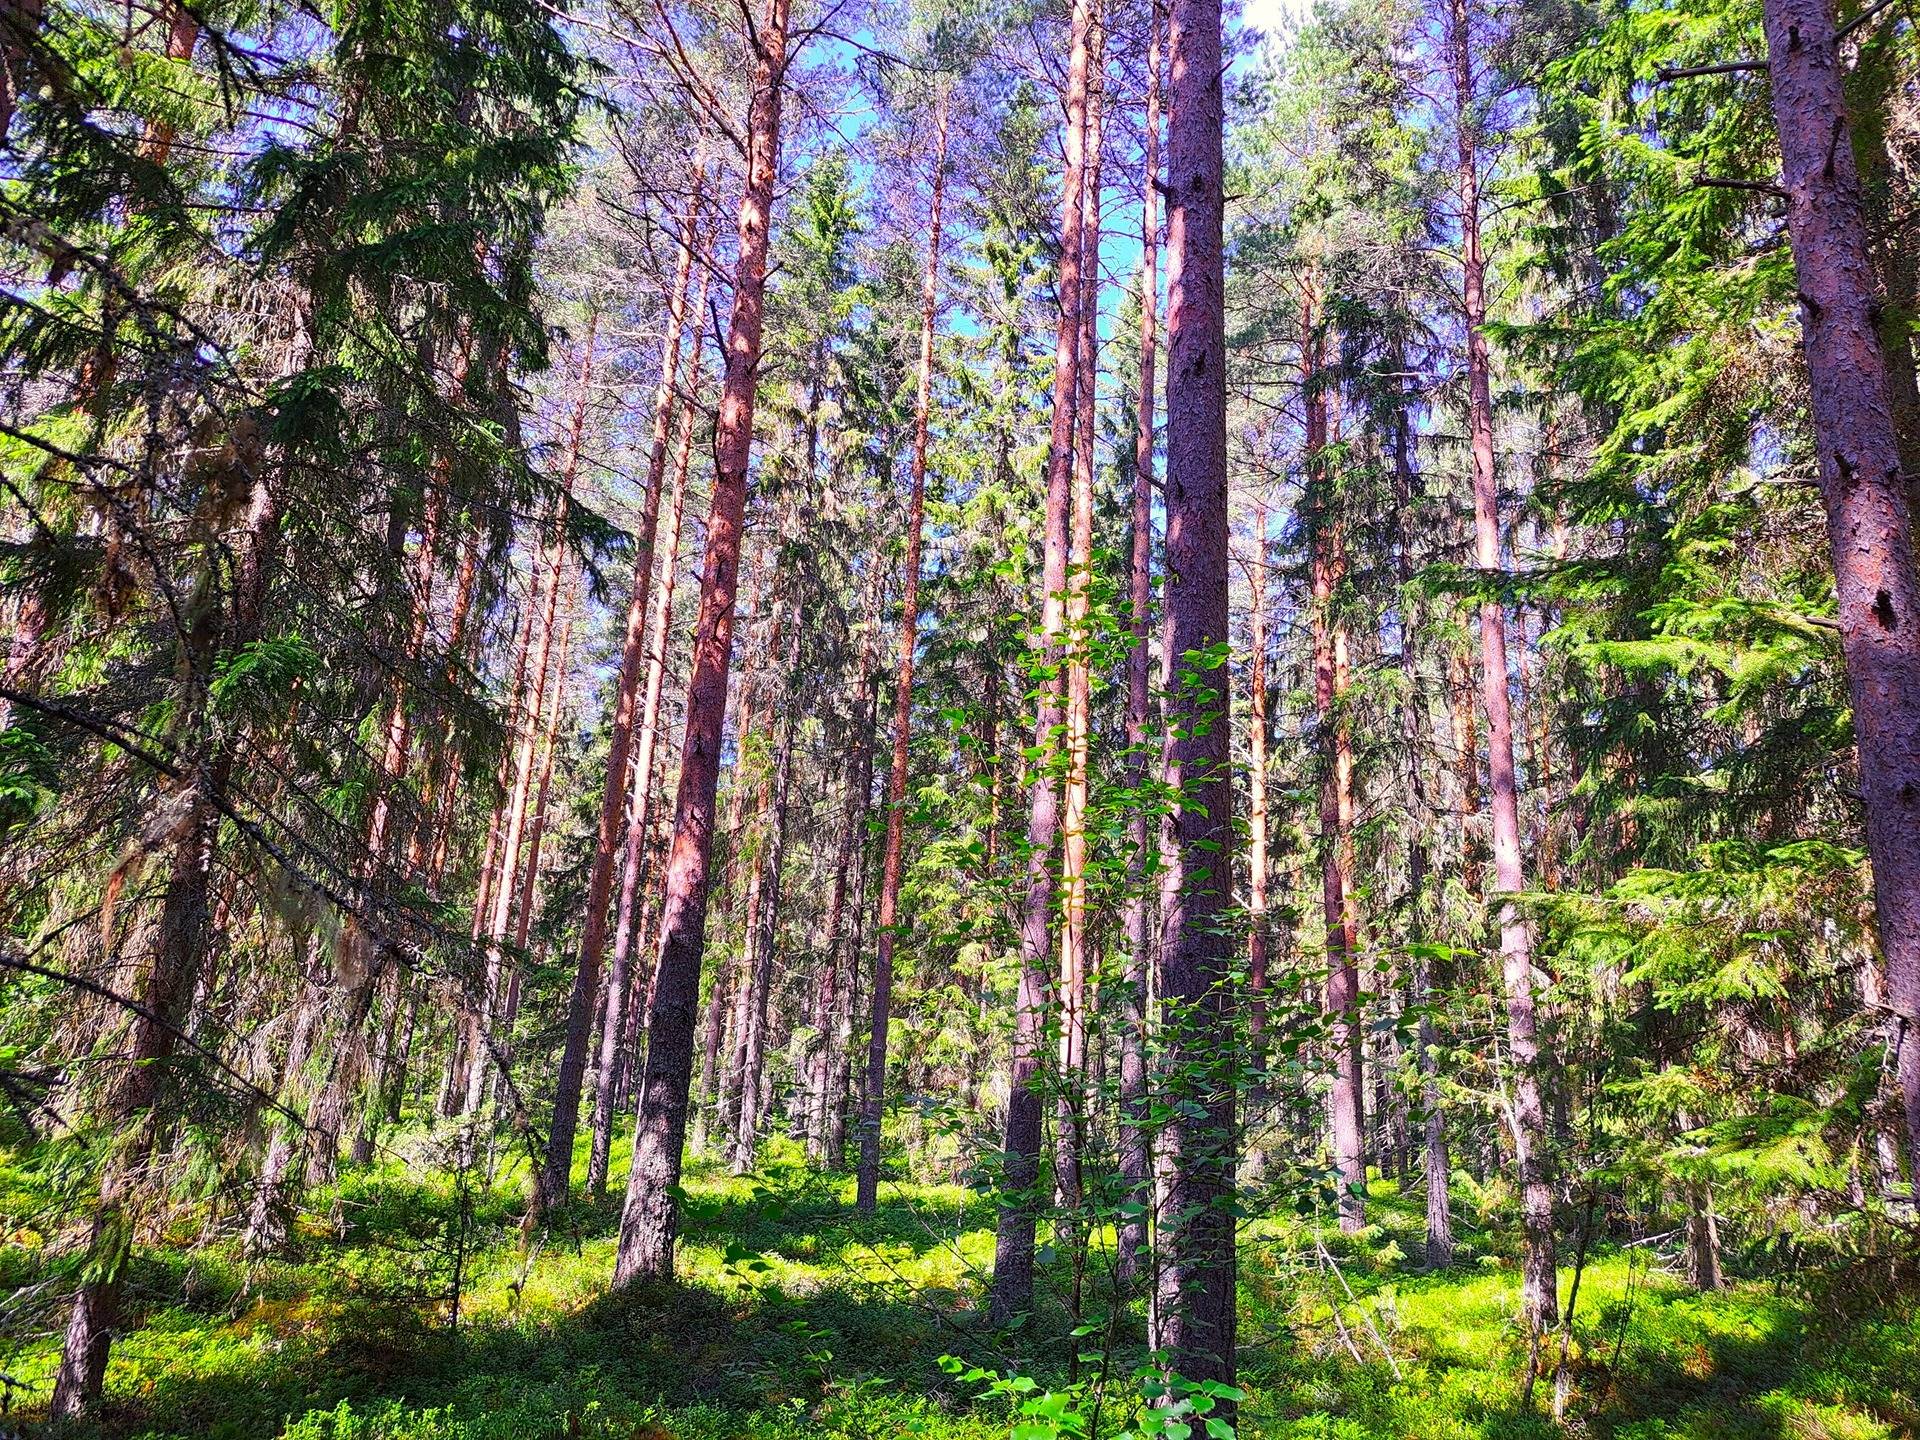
[1052, 719]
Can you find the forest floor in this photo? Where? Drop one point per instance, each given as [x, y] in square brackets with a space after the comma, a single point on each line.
[796, 1318]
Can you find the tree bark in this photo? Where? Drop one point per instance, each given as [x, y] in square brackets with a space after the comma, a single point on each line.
[555, 1178]
[1195, 1309]
[1136, 1150]
[650, 1216]
[1257, 840]
[1868, 507]
[886, 929]
[1345, 1115]
[506, 884]
[1013, 1255]
[640, 805]
[1070, 1119]
[836, 989]
[757, 964]
[1413, 740]
[1539, 1296]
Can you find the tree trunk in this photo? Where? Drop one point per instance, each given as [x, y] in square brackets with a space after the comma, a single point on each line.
[555, 1178]
[1869, 513]
[867, 1183]
[1257, 786]
[614, 1060]
[1070, 1120]
[1540, 1298]
[1013, 1255]
[649, 1218]
[1136, 1153]
[507, 875]
[1328, 565]
[1195, 1309]
[472, 1022]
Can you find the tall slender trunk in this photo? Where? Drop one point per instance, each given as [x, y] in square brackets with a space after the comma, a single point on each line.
[1070, 1121]
[1466, 765]
[554, 1180]
[640, 806]
[1328, 568]
[650, 1215]
[867, 1183]
[1870, 522]
[1195, 1300]
[508, 876]
[1136, 1152]
[1539, 1285]
[1257, 839]
[580, 1003]
[1013, 1253]
[842, 1093]
[472, 1023]
[715, 1036]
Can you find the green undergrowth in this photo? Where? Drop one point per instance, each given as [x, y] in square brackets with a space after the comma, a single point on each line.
[795, 1317]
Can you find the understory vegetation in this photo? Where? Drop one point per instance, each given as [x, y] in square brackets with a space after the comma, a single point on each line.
[795, 1316]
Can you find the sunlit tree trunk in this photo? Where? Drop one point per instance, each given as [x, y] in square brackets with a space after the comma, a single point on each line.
[650, 1215]
[473, 1019]
[1136, 1157]
[1869, 511]
[1539, 1294]
[1257, 838]
[613, 1058]
[1327, 574]
[1414, 741]
[554, 1181]
[886, 927]
[1195, 1302]
[1012, 1293]
[1070, 1118]
[512, 859]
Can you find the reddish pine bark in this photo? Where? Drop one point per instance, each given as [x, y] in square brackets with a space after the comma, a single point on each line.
[473, 1019]
[1071, 987]
[1328, 566]
[1012, 1294]
[507, 878]
[1257, 840]
[1195, 1310]
[556, 1178]
[613, 1056]
[1136, 1158]
[1869, 516]
[867, 1184]
[1539, 1296]
[650, 1216]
